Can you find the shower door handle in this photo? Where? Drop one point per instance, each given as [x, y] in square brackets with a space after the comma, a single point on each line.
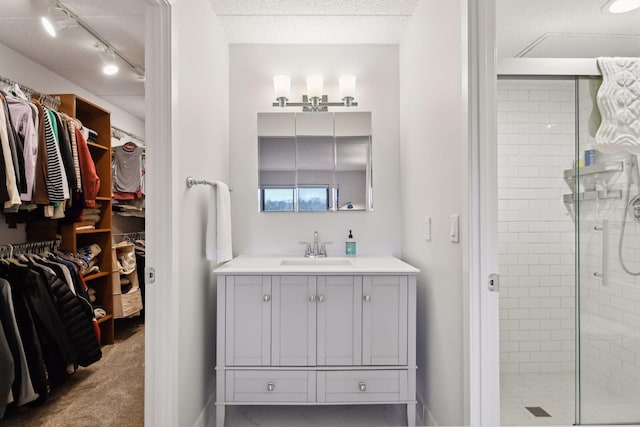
[493, 283]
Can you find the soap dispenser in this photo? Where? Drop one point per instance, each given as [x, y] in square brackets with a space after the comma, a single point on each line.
[350, 245]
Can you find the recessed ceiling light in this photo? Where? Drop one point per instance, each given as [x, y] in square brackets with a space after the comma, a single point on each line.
[622, 6]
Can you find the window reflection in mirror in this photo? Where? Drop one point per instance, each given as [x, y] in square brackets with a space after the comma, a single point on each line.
[310, 163]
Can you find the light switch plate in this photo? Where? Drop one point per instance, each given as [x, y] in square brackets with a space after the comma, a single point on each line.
[427, 228]
[454, 228]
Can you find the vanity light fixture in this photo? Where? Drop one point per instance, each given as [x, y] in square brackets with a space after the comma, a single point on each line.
[314, 100]
[622, 6]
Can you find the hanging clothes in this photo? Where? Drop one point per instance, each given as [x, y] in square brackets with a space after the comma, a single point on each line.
[10, 166]
[23, 390]
[90, 178]
[22, 119]
[127, 168]
[48, 324]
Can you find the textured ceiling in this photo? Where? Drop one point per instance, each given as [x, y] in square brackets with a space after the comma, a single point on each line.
[565, 29]
[314, 22]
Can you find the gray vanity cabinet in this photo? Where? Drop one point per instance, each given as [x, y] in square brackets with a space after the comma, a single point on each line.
[339, 321]
[293, 321]
[248, 320]
[384, 320]
[316, 339]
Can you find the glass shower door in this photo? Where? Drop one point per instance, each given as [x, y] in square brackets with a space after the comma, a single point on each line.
[608, 277]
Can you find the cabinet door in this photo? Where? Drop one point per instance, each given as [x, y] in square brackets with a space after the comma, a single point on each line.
[314, 124]
[384, 320]
[248, 320]
[339, 320]
[276, 124]
[293, 321]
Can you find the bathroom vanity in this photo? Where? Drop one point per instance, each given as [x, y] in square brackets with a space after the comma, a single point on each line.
[316, 331]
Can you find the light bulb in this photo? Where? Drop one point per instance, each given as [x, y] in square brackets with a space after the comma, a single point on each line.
[110, 69]
[48, 26]
[347, 86]
[109, 65]
[281, 86]
[622, 6]
[314, 86]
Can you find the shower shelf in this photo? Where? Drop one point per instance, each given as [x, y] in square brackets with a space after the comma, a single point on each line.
[592, 195]
[590, 177]
[599, 168]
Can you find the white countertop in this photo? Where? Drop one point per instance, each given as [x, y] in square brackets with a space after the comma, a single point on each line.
[246, 264]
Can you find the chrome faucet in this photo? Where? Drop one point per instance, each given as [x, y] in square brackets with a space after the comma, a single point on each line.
[316, 248]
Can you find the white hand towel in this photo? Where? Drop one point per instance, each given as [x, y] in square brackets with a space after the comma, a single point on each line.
[619, 104]
[219, 224]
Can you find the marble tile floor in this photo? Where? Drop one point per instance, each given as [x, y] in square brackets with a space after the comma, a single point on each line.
[308, 416]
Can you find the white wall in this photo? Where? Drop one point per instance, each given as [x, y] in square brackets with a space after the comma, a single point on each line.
[252, 68]
[433, 150]
[23, 70]
[536, 143]
[200, 148]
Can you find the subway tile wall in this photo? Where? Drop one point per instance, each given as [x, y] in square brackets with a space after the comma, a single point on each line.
[536, 136]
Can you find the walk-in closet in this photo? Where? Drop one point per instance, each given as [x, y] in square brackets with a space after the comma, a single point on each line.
[72, 228]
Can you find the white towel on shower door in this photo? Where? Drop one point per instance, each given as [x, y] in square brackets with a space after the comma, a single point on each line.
[619, 104]
[218, 239]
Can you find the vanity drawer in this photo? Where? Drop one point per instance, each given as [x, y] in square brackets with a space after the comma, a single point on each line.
[362, 386]
[270, 386]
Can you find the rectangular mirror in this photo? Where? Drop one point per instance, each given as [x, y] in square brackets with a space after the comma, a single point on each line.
[314, 162]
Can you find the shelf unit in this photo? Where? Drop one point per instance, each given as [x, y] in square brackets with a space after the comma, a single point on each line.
[589, 177]
[98, 119]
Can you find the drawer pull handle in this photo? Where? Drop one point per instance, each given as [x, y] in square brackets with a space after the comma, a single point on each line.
[271, 386]
[266, 298]
[321, 298]
[367, 298]
[362, 386]
[313, 298]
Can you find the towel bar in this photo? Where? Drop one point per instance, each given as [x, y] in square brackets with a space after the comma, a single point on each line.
[191, 181]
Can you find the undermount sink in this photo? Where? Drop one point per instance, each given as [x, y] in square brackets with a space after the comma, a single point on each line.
[331, 262]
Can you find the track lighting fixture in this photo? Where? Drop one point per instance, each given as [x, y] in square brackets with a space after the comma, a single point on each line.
[59, 16]
[56, 20]
[109, 64]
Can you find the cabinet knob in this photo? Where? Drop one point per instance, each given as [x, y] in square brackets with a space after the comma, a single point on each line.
[313, 298]
[321, 298]
[266, 298]
[271, 386]
[367, 298]
[362, 386]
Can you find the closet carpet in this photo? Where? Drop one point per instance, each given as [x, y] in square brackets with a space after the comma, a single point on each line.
[107, 393]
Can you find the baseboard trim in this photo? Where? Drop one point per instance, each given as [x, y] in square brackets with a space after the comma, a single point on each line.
[207, 417]
[430, 419]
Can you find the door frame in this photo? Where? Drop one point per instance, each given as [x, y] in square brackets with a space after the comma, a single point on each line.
[483, 313]
[161, 337]
[162, 231]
